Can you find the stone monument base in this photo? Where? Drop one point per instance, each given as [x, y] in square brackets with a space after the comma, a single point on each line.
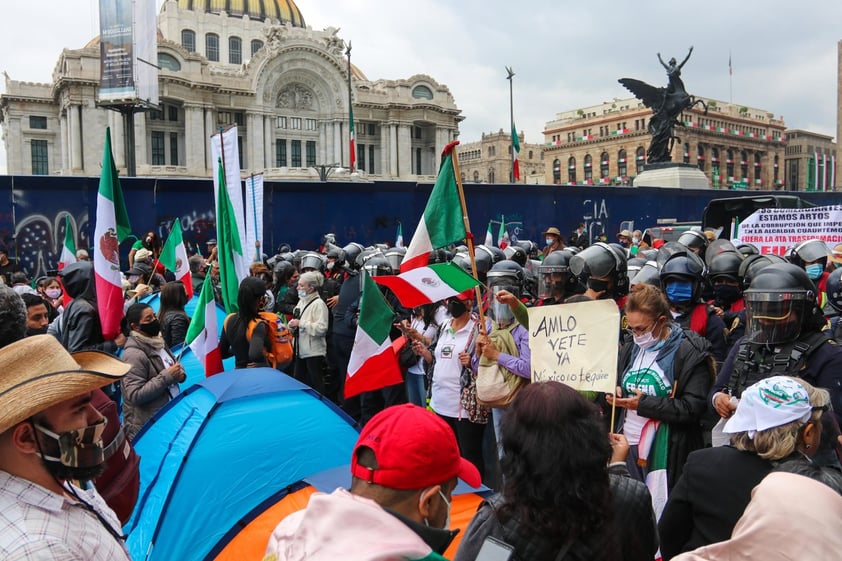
[672, 174]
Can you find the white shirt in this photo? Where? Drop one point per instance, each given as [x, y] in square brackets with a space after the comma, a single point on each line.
[37, 524]
[644, 375]
[446, 390]
[429, 333]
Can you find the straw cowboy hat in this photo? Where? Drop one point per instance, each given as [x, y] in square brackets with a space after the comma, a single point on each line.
[37, 373]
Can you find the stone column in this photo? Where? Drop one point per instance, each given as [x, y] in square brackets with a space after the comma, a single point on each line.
[338, 152]
[64, 133]
[405, 151]
[384, 151]
[254, 156]
[321, 150]
[268, 142]
[118, 138]
[210, 129]
[75, 138]
[194, 133]
[393, 150]
[141, 143]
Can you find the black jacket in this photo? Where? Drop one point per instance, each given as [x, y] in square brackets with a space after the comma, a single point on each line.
[80, 325]
[174, 326]
[710, 497]
[693, 373]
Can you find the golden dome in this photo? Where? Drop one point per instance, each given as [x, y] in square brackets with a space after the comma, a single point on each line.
[283, 10]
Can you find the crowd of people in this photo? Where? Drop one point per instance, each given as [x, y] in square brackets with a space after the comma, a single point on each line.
[728, 394]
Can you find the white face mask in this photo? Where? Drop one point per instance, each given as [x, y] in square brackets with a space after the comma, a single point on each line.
[302, 293]
[549, 241]
[447, 519]
[647, 340]
[635, 240]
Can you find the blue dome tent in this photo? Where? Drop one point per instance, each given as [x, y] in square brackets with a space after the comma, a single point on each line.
[220, 449]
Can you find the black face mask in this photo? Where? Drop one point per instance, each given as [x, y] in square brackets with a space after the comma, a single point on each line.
[456, 308]
[598, 285]
[151, 329]
[87, 466]
[726, 294]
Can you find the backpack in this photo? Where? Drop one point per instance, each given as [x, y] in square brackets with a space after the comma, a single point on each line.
[279, 337]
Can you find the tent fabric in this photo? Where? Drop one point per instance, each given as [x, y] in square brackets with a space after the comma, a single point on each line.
[223, 447]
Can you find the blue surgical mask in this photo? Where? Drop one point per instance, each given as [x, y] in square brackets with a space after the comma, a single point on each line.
[549, 241]
[814, 271]
[680, 292]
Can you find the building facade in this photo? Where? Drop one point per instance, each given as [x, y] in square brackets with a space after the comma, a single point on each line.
[810, 163]
[490, 160]
[735, 146]
[256, 66]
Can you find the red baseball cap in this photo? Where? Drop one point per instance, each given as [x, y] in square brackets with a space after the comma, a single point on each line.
[415, 449]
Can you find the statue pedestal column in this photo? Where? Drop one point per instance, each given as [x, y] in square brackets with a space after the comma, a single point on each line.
[672, 174]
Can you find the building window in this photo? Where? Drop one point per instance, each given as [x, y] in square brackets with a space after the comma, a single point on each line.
[418, 161]
[700, 157]
[476, 177]
[256, 45]
[422, 92]
[571, 171]
[172, 113]
[311, 124]
[622, 165]
[212, 47]
[588, 167]
[743, 165]
[686, 153]
[39, 158]
[296, 153]
[310, 148]
[776, 177]
[639, 159]
[491, 151]
[241, 152]
[491, 175]
[36, 122]
[158, 149]
[757, 170]
[280, 152]
[295, 123]
[168, 62]
[603, 165]
[188, 40]
[235, 50]
[361, 156]
[729, 164]
[281, 123]
[371, 158]
[372, 129]
[173, 148]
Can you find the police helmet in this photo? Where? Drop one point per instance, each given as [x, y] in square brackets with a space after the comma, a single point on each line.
[719, 246]
[752, 265]
[352, 251]
[747, 249]
[649, 273]
[809, 251]
[486, 257]
[780, 303]
[394, 255]
[694, 240]
[517, 254]
[464, 261]
[530, 247]
[312, 260]
[833, 289]
[724, 265]
[507, 275]
[376, 264]
[600, 260]
[684, 266]
[438, 256]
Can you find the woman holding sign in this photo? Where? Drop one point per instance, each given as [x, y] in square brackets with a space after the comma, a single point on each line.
[664, 375]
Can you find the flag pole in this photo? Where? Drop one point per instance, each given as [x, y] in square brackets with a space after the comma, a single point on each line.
[351, 133]
[511, 119]
[254, 217]
[469, 237]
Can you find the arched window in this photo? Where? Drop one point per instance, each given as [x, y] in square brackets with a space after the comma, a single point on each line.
[622, 165]
[256, 45]
[639, 159]
[758, 180]
[729, 164]
[235, 50]
[422, 92]
[491, 175]
[700, 157]
[188, 40]
[169, 62]
[556, 171]
[212, 47]
[603, 165]
[476, 177]
[743, 165]
[588, 167]
[571, 170]
[530, 154]
[491, 151]
[686, 153]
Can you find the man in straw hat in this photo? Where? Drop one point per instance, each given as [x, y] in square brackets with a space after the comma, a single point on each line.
[553, 240]
[51, 435]
[404, 468]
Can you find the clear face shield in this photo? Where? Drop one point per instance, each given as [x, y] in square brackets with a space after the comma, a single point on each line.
[551, 282]
[773, 318]
[501, 313]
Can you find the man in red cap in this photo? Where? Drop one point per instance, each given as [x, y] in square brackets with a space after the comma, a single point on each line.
[404, 468]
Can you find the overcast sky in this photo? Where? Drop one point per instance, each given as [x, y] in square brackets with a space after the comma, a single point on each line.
[565, 54]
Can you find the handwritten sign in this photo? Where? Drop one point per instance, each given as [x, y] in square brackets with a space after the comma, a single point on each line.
[576, 344]
[774, 230]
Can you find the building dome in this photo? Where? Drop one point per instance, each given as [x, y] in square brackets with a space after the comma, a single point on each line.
[283, 10]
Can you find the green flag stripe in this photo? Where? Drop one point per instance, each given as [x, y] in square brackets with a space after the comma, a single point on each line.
[443, 213]
[168, 257]
[454, 276]
[376, 316]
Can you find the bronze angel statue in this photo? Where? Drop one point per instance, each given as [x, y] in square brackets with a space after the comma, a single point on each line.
[666, 105]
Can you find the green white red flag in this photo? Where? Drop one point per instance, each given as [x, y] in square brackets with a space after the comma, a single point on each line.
[203, 332]
[229, 248]
[68, 250]
[112, 227]
[442, 222]
[489, 235]
[503, 238]
[424, 285]
[352, 149]
[174, 257]
[515, 153]
[373, 363]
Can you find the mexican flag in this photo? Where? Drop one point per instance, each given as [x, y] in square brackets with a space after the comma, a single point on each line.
[174, 257]
[112, 227]
[373, 364]
[399, 236]
[353, 138]
[503, 237]
[653, 451]
[229, 247]
[442, 222]
[68, 250]
[489, 235]
[424, 285]
[515, 152]
[203, 332]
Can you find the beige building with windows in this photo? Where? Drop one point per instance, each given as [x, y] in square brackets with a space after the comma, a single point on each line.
[255, 65]
[606, 145]
[490, 160]
[810, 163]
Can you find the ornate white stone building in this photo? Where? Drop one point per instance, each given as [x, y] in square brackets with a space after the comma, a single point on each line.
[257, 66]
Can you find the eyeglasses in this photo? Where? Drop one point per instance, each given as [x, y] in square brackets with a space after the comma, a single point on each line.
[641, 330]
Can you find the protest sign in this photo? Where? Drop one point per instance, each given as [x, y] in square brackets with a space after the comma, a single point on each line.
[576, 344]
[774, 230]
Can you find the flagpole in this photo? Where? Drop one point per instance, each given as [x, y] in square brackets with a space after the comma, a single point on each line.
[351, 140]
[469, 237]
[254, 213]
[511, 119]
